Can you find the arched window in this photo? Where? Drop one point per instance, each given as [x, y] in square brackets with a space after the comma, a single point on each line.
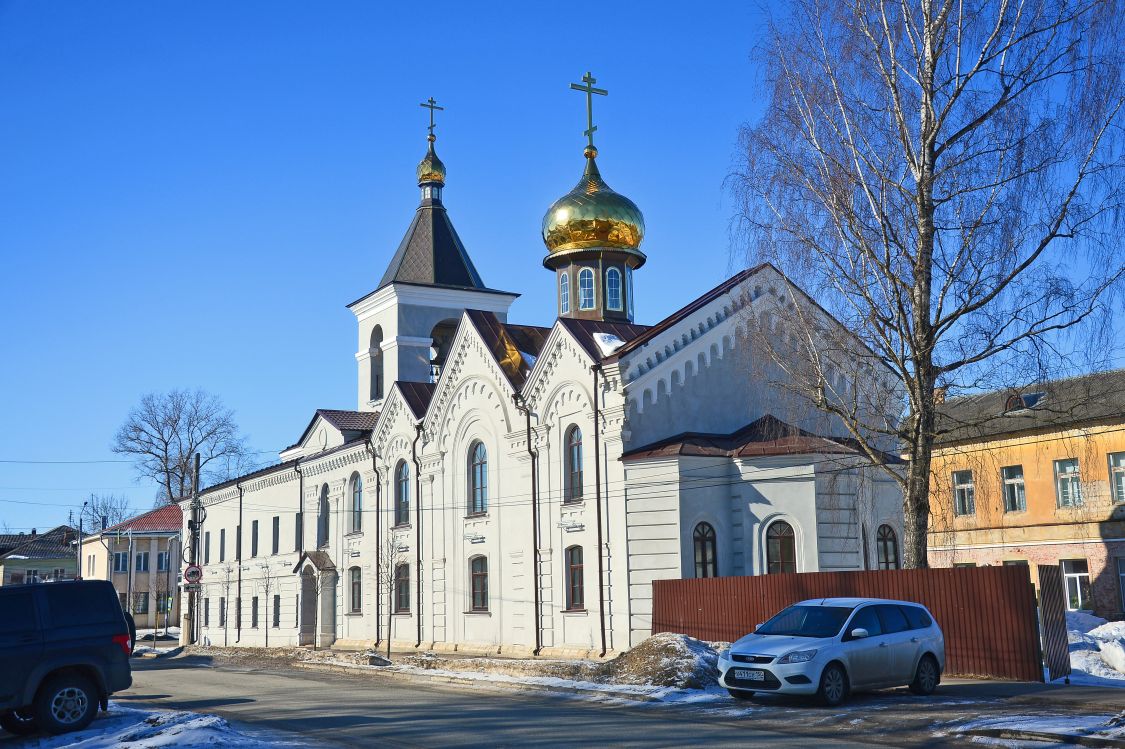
[441, 338]
[564, 293]
[478, 574]
[402, 588]
[886, 544]
[357, 503]
[613, 289]
[706, 564]
[478, 479]
[572, 473]
[322, 518]
[376, 353]
[586, 289]
[356, 601]
[402, 493]
[781, 548]
[575, 600]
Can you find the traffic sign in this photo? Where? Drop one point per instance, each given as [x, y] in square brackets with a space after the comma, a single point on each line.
[193, 574]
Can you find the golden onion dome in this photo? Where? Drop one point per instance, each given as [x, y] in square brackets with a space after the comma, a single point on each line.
[593, 215]
[430, 169]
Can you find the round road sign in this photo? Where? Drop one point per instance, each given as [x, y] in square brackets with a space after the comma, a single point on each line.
[193, 574]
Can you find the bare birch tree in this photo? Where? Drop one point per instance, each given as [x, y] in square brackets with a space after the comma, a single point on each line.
[167, 429]
[392, 554]
[945, 179]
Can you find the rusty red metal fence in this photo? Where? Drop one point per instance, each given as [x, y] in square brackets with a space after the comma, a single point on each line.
[988, 614]
[1052, 621]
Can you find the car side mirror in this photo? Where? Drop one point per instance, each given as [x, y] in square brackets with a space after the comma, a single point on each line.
[758, 626]
[859, 633]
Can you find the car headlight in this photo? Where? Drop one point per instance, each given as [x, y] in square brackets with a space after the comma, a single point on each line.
[798, 656]
[724, 654]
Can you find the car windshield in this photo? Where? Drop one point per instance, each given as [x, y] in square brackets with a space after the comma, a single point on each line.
[806, 621]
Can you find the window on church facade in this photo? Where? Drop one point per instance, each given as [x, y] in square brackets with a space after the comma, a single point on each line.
[402, 493]
[357, 503]
[478, 574]
[572, 475]
[402, 588]
[478, 479]
[781, 548]
[586, 289]
[613, 289]
[375, 351]
[322, 518]
[706, 562]
[887, 545]
[356, 597]
[564, 293]
[575, 596]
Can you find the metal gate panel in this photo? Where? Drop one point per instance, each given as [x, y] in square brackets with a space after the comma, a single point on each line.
[1052, 621]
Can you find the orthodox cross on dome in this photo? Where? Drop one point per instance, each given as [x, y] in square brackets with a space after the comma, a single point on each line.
[589, 80]
[431, 104]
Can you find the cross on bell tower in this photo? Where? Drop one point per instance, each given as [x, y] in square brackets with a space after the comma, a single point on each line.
[589, 90]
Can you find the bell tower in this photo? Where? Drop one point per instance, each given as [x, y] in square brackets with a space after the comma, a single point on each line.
[408, 322]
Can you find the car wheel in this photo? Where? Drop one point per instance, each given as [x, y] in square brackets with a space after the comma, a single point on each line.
[927, 676]
[67, 702]
[19, 722]
[833, 685]
[741, 694]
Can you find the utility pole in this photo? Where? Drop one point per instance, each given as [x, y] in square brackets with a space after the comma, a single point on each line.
[78, 551]
[190, 633]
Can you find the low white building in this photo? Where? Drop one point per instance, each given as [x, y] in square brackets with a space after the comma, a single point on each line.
[515, 488]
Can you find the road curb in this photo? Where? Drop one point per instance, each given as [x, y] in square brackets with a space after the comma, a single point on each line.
[1058, 738]
[506, 686]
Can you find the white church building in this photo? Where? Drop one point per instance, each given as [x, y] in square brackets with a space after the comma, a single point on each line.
[511, 488]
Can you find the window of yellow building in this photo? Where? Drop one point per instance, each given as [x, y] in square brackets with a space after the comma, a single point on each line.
[964, 493]
[1067, 485]
[1015, 500]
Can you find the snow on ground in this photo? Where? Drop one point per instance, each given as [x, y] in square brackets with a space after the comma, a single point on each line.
[1104, 725]
[1097, 650]
[149, 729]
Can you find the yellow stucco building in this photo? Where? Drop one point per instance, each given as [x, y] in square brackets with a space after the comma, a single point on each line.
[1035, 477]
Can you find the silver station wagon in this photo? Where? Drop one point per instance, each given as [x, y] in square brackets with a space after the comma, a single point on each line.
[829, 647]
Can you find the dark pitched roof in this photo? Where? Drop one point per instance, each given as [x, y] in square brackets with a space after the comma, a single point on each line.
[345, 421]
[417, 396]
[168, 518]
[767, 436]
[1058, 404]
[54, 544]
[515, 347]
[584, 330]
[432, 253]
[9, 541]
[319, 558]
[683, 312]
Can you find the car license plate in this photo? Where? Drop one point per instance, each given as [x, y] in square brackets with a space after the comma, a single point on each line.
[749, 674]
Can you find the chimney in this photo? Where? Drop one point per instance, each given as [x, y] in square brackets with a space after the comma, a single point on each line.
[33, 531]
[105, 522]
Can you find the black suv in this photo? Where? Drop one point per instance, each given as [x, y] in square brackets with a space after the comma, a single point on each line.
[65, 648]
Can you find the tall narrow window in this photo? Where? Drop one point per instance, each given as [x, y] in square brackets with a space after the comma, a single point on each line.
[886, 542]
[207, 547]
[572, 491]
[402, 588]
[277, 611]
[1015, 500]
[586, 289]
[162, 561]
[322, 518]
[254, 538]
[1067, 483]
[402, 493]
[575, 600]
[356, 590]
[706, 565]
[629, 290]
[478, 479]
[1076, 578]
[375, 352]
[1117, 477]
[276, 534]
[357, 503]
[781, 548]
[206, 612]
[613, 289]
[478, 574]
[254, 612]
[222, 544]
[298, 531]
[222, 612]
[564, 292]
[964, 493]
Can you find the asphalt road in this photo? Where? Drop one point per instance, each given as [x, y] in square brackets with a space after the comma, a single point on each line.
[344, 710]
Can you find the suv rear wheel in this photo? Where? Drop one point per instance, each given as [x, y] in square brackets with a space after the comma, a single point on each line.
[19, 722]
[67, 702]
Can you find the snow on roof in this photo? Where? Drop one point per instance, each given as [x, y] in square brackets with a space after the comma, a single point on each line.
[607, 343]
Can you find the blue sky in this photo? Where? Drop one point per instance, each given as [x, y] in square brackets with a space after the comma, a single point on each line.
[192, 192]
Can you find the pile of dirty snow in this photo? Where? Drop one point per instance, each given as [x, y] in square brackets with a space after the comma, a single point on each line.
[1097, 649]
[666, 660]
[149, 729]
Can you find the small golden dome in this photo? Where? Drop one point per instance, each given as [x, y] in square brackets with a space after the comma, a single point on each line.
[430, 169]
[593, 215]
